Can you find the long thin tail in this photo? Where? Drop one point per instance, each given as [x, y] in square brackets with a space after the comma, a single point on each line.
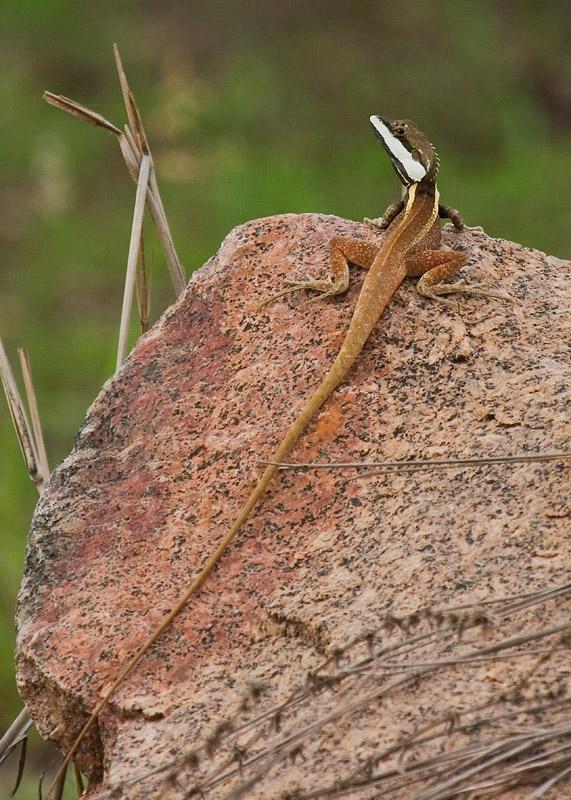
[377, 290]
[359, 329]
[335, 375]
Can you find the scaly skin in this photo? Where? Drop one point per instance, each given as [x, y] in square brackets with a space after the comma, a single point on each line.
[409, 248]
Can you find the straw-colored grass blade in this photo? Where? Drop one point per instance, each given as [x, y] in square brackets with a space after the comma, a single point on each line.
[134, 245]
[133, 143]
[57, 787]
[130, 156]
[77, 110]
[143, 288]
[33, 449]
[15, 734]
[156, 210]
[425, 463]
[135, 148]
[135, 132]
[20, 420]
[174, 266]
[547, 785]
[34, 414]
[133, 114]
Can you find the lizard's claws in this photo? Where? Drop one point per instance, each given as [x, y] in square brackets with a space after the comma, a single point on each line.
[378, 222]
[277, 295]
[326, 288]
[436, 291]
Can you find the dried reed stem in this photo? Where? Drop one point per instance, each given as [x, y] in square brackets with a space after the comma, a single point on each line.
[424, 463]
[143, 288]
[134, 145]
[15, 734]
[20, 421]
[31, 441]
[142, 147]
[134, 245]
[79, 111]
[40, 446]
[133, 115]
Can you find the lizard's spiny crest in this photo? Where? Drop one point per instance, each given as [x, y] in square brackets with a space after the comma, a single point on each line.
[412, 154]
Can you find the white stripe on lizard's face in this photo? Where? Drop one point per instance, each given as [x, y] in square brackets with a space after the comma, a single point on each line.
[411, 168]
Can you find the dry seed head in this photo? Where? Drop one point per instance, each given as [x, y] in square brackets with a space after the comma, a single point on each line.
[191, 759]
[295, 753]
[224, 727]
[275, 722]
[414, 619]
[252, 694]
[240, 754]
[171, 779]
[194, 791]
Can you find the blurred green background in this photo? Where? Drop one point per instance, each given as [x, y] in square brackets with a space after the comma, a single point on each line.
[253, 108]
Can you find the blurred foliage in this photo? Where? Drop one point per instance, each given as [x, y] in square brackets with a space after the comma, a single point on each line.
[253, 108]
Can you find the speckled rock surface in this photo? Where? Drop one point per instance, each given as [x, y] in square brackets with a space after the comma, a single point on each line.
[171, 448]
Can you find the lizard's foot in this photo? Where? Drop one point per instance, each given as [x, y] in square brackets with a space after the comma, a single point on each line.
[447, 212]
[325, 288]
[390, 214]
[378, 222]
[435, 291]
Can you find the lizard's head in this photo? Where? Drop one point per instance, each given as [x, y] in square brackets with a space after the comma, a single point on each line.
[412, 155]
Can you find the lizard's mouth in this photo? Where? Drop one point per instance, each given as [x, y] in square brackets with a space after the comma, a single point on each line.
[408, 168]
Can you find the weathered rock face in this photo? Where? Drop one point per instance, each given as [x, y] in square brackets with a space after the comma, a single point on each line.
[170, 450]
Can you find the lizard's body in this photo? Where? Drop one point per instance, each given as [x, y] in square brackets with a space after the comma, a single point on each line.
[409, 248]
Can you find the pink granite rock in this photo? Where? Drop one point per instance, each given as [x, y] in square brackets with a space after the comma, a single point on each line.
[171, 448]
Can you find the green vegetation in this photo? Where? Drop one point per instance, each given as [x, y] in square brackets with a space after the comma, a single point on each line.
[253, 109]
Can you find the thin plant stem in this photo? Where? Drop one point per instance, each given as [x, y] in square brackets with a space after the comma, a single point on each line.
[134, 245]
[34, 414]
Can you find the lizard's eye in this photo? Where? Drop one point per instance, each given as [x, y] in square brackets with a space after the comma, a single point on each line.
[399, 130]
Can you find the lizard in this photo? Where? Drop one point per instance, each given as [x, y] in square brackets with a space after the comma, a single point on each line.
[410, 248]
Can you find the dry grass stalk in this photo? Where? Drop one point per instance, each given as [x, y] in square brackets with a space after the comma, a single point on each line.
[136, 153]
[134, 145]
[542, 790]
[156, 209]
[57, 786]
[79, 111]
[139, 142]
[425, 463]
[143, 289]
[20, 420]
[165, 236]
[134, 245]
[31, 441]
[133, 115]
[459, 758]
[16, 733]
[447, 625]
[26, 368]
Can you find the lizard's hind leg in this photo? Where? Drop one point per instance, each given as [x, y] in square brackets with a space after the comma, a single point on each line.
[343, 251]
[437, 266]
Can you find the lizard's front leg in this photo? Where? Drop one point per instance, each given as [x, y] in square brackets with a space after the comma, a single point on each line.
[391, 213]
[343, 251]
[435, 267]
[447, 212]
